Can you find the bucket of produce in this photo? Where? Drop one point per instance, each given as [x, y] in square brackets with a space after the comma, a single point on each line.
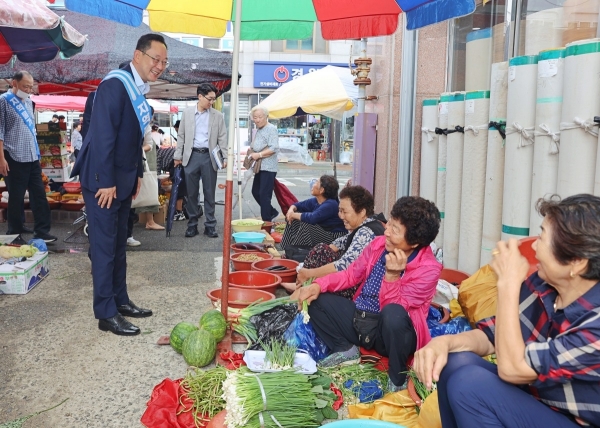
[285, 268]
[246, 225]
[240, 297]
[247, 248]
[249, 279]
[251, 237]
[243, 261]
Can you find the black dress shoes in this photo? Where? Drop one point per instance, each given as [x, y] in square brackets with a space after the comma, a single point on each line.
[210, 232]
[118, 325]
[191, 232]
[131, 310]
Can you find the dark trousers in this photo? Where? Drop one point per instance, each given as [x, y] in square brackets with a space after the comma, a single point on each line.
[262, 190]
[21, 177]
[200, 167]
[130, 220]
[107, 230]
[332, 318]
[472, 395]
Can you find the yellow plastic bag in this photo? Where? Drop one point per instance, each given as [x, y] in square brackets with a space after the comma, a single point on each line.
[455, 309]
[477, 295]
[429, 416]
[395, 407]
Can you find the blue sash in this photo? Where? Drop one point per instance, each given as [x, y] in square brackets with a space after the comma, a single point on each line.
[21, 110]
[140, 105]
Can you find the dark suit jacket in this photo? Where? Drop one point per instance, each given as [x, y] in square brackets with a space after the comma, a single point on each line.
[111, 154]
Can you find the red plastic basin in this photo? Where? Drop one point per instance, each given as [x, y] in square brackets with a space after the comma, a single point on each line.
[249, 279]
[526, 249]
[242, 265]
[288, 275]
[240, 297]
[453, 276]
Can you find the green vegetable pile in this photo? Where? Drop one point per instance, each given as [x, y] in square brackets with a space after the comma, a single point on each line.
[359, 373]
[278, 355]
[204, 388]
[284, 398]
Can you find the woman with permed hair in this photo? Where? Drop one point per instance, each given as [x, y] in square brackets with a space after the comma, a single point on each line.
[546, 333]
[357, 211]
[398, 275]
[315, 220]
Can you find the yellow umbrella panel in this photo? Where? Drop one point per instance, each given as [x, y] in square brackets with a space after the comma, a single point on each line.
[329, 91]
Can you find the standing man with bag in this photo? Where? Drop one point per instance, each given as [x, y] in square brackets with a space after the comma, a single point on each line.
[20, 159]
[201, 143]
[110, 169]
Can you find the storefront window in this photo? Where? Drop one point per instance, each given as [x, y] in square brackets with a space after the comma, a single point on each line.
[477, 41]
[553, 24]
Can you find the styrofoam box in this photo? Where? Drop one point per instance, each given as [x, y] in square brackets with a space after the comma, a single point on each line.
[60, 175]
[21, 277]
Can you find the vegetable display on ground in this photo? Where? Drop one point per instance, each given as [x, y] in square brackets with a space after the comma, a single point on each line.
[179, 333]
[214, 322]
[199, 348]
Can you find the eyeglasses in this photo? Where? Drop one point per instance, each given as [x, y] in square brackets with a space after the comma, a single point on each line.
[210, 100]
[165, 64]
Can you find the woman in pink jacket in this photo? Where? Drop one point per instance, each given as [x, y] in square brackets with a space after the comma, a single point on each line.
[398, 275]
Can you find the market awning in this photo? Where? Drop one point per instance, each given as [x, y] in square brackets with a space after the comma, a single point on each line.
[70, 103]
[110, 44]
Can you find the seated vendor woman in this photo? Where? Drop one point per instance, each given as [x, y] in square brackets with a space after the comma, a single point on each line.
[357, 212]
[398, 275]
[315, 220]
[546, 333]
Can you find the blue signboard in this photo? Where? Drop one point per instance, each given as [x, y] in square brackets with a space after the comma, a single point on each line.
[272, 74]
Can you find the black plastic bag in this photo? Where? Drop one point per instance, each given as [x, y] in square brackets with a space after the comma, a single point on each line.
[273, 323]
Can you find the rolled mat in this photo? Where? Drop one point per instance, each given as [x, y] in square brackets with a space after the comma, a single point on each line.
[494, 170]
[454, 165]
[477, 110]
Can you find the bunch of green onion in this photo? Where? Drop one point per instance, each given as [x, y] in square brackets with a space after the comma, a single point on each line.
[205, 389]
[306, 317]
[359, 373]
[247, 394]
[242, 323]
[420, 387]
[278, 355]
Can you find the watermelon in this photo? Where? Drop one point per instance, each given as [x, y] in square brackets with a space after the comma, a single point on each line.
[215, 322]
[179, 333]
[200, 348]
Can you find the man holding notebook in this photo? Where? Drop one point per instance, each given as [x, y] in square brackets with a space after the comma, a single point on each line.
[202, 149]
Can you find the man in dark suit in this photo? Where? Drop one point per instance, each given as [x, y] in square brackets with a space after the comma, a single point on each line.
[110, 169]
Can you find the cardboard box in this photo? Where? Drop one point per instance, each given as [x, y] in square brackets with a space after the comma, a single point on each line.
[52, 137]
[54, 162]
[60, 175]
[22, 277]
[42, 127]
[53, 149]
[161, 216]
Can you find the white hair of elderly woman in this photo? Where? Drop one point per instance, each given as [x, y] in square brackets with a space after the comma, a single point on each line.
[259, 107]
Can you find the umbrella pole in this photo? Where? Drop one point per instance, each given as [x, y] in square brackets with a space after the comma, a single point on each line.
[239, 169]
[230, 140]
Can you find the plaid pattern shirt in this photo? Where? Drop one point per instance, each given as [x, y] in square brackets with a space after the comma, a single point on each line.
[563, 347]
[18, 140]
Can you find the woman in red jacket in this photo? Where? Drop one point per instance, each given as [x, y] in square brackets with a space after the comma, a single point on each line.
[398, 275]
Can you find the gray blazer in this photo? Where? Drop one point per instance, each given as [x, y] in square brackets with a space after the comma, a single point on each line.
[217, 135]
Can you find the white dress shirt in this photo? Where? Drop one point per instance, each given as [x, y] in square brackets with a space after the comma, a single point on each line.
[201, 134]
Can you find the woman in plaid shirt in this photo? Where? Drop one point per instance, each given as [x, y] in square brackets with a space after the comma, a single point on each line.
[546, 334]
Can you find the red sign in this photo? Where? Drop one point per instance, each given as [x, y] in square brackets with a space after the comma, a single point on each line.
[281, 74]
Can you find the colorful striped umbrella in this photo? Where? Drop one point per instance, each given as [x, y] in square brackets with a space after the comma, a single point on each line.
[33, 33]
[277, 20]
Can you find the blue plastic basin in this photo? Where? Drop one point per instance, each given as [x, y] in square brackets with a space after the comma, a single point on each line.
[251, 237]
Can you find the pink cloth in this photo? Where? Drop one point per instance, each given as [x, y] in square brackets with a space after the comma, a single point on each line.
[414, 291]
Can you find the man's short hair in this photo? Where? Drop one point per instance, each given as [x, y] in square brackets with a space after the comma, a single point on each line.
[61, 117]
[54, 116]
[18, 76]
[145, 42]
[177, 124]
[76, 124]
[124, 64]
[206, 88]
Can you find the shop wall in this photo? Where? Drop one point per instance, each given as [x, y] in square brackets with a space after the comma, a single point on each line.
[431, 81]
[386, 53]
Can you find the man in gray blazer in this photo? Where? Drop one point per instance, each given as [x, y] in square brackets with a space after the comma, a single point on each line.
[201, 131]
